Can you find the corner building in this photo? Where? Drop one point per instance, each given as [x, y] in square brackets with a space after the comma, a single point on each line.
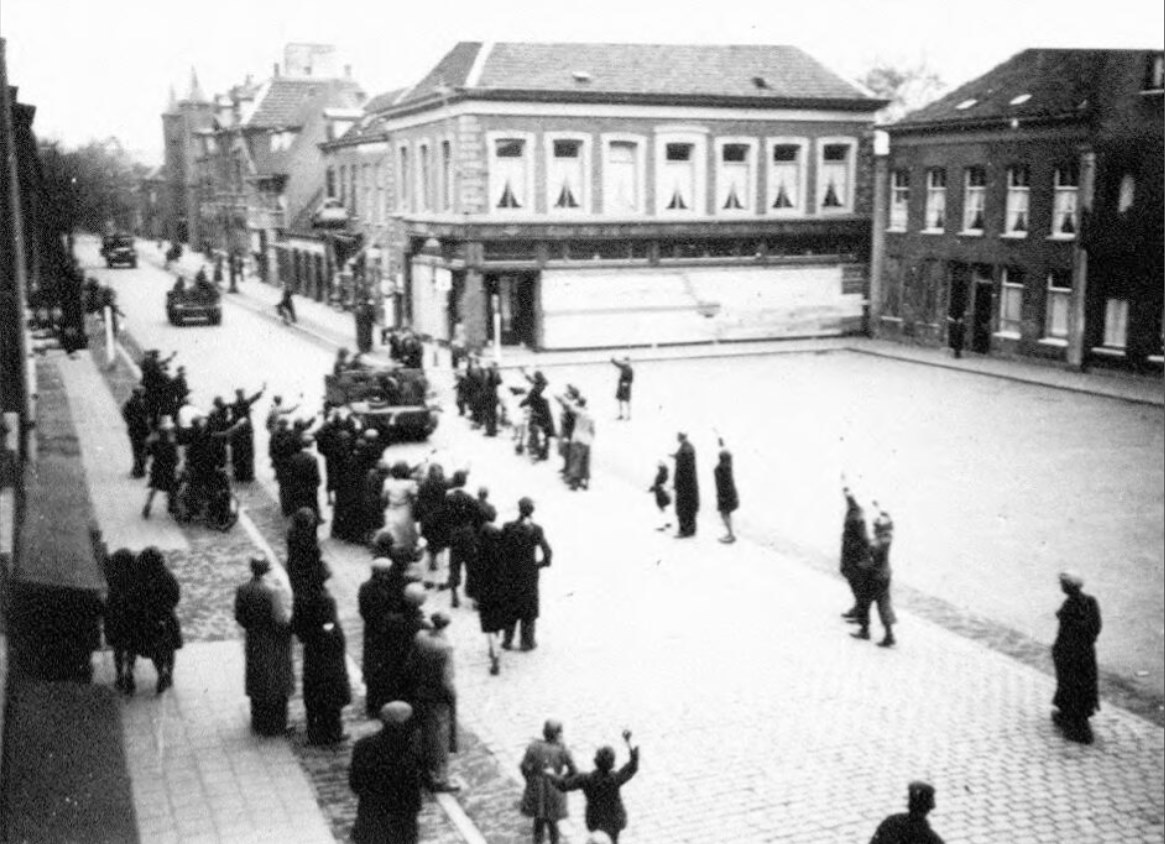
[1027, 204]
[607, 195]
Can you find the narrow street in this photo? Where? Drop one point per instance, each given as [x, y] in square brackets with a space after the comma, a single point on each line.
[759, 718]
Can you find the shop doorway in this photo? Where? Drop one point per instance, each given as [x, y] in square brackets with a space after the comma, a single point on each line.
[983, 310]
[513, 296]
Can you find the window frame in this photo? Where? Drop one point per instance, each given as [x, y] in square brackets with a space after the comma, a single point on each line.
[1122, 346]
[799, 208]
[899, 201]
[1017, 195]
[446, 174]
[931, 193]
[1062, 190]
[1057, 293]
[978, 193]
[424, 176]
[1008, 287]
[698, 139]
[748, 201]
[847, 206]
[585, 197]
[404, 176]
[606, 141]
[529, 155]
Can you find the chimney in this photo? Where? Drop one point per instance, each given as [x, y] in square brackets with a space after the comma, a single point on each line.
[275, 70]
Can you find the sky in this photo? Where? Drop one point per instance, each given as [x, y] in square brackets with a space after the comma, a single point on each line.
[101, 68]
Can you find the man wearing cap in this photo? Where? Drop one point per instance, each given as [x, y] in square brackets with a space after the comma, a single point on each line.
[1077, 696]
[263, 609]
[385, 774]
[910, 827]
[521, 541]
[434, 698]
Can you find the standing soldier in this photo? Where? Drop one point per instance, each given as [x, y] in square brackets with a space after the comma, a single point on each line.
[136, 414]
[243, 440]
[521, 541]
[623, 388]
[264, 612]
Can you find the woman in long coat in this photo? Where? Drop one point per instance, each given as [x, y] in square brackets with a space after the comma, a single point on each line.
[325, 672]
[1074, 656]
[153, 599]
[491, 589]
[119, 573]
[541, 800]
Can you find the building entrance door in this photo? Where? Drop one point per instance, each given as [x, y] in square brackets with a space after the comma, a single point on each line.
[984, 309]
[512, 295]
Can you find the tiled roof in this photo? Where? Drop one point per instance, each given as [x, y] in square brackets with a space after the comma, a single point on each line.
[286, 101]
[1034, 83]
[734, 71]
[382, 101]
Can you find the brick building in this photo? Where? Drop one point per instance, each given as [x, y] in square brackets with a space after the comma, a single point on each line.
[613, 195]
[1028, 204]
[260, 167]
[182, 120]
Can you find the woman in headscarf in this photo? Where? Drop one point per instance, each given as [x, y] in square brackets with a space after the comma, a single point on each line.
[1077, 697]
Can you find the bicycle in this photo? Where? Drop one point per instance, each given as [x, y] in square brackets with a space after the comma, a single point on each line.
[216, 508]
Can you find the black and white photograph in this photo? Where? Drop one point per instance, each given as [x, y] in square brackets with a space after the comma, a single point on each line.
[617, 423]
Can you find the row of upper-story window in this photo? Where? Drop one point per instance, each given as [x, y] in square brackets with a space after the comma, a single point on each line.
[1016, 218]
[745, 177]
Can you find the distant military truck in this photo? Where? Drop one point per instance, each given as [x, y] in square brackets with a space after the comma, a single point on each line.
[118, 251]
[197, 300]
[397, 402]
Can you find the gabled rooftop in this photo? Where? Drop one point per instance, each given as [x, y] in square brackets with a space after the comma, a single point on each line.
[1033, 84]
[284, 102]
[781, 74]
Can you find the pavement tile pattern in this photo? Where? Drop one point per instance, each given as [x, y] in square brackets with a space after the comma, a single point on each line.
[786, 730]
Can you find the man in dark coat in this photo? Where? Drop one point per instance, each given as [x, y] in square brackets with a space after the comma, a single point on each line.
[623, 387]
[400, 631]
[365, 315]
[219, 421]
[301, 478]
[136, 414]
[855, 550]
[521, 541]
[464, 517]
[1074, 656]
[687, 487]
[377, 599]
[263, 610]
[325, 671]
[910, 827]
[541, 417]
[243, 438]
[491, 381]
[385, 774]
[432, 693]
